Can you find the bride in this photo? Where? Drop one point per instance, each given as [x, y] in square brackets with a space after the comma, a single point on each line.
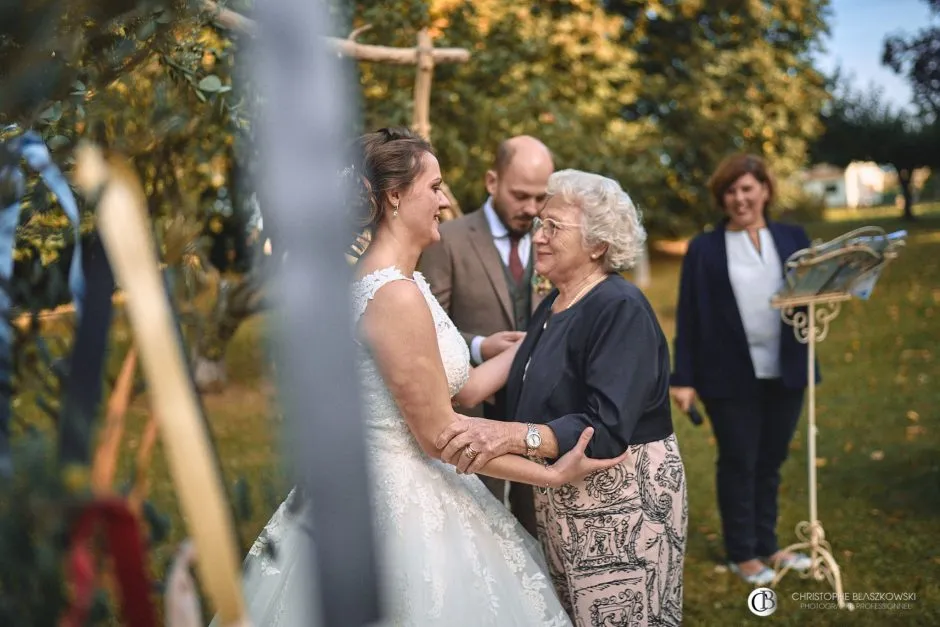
[451, 553]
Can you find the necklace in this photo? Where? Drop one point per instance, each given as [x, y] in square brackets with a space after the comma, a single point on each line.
[584, 290]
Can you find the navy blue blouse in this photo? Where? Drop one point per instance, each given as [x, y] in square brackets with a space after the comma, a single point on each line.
[604, 363]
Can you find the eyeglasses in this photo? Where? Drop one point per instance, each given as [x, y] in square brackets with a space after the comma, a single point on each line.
[551, 226]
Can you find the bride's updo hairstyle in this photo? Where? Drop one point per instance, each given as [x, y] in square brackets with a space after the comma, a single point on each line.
[384, 161]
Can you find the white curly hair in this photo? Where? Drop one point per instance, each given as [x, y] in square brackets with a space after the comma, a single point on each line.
[608, 215]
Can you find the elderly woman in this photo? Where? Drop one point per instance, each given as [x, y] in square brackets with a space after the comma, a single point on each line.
[733, 350]
[595, 355]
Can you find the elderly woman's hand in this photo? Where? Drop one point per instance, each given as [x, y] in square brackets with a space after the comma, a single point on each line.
[469, 443]
[576, 465]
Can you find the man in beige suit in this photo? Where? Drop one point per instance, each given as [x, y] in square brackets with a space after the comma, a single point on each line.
[481, 272]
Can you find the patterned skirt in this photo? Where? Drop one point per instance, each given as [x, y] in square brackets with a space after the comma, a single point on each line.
[615, 542]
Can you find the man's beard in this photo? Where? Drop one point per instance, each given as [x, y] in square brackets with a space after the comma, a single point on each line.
[512, 230]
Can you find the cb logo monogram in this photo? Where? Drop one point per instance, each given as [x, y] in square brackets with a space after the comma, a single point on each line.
[762, 601]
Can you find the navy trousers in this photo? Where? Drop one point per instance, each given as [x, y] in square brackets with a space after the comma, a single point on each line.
[753, 435]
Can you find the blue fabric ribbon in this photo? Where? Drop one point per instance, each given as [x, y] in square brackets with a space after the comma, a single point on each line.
[37, 157]
[29, 147]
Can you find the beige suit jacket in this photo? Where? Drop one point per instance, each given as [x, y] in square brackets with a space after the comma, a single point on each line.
[466, 275]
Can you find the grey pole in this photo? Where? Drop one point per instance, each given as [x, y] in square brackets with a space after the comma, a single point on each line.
[303, 128]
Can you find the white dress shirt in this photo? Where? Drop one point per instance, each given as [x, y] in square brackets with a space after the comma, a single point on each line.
[503, 246]
[755, 277]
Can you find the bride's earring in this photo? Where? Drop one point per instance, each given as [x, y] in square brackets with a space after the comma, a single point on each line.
[395, 212]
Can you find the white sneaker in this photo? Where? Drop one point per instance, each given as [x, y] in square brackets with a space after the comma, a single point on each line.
[799, 562]
[762, 577]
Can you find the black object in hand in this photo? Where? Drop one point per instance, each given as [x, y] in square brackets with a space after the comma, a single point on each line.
[695, 416]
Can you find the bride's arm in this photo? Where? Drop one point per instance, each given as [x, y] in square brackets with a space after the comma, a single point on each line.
[487, 378]
[400, 331]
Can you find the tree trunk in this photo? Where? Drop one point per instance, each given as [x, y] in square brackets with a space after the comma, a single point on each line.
[236, 302]
[904, 180]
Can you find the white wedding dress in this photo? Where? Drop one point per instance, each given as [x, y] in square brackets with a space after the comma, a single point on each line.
[451, 554]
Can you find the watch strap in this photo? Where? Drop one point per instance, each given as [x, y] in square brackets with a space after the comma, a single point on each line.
[529, 429]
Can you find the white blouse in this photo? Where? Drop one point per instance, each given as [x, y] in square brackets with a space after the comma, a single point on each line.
[755, 277]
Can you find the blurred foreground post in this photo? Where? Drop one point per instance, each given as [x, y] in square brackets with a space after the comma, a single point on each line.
[127, 236]
[303, 133]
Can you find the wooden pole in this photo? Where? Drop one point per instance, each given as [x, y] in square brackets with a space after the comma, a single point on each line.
[394, 56]
[106, 456]
[421, 115]
[237, 22]
[421, 121]
[128, 240]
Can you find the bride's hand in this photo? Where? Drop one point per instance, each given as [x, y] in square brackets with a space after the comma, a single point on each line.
[575, 464]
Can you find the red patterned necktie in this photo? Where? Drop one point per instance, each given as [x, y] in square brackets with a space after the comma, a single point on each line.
[515, 263]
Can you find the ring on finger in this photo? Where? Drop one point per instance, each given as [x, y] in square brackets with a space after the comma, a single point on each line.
[471, 452]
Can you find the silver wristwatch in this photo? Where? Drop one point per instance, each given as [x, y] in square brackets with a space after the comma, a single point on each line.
[533, 440]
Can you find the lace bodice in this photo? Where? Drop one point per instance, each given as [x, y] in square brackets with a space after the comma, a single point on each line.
[381, 412]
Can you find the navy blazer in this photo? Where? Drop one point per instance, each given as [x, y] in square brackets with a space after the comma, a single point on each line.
[711, 352]
[602, 363]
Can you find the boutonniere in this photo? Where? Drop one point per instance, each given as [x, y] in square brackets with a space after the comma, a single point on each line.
[541, 285]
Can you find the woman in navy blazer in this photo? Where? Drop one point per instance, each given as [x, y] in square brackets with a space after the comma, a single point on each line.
[734, 352]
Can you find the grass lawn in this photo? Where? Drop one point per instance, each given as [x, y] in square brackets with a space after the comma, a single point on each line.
[878, 450]
[878, 444]
[843, 214]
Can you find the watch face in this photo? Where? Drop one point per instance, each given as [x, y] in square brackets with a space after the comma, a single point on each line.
[533, 440]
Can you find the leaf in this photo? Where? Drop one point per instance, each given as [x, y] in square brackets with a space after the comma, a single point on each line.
[52, 114]
[912, 432]
[57, 141]
[211, 83]
[146, 30]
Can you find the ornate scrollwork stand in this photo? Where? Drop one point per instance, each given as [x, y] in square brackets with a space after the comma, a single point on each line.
[810, 315]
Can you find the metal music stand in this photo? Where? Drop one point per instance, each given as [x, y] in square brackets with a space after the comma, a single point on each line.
[818, 280]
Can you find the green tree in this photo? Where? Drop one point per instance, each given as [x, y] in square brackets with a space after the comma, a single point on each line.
[720, 76]
[917, 57]
[862, 127]
[554, 70]
[652, 93]
[153, 81]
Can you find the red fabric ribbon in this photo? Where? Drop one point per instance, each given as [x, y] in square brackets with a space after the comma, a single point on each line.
[126, 550]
